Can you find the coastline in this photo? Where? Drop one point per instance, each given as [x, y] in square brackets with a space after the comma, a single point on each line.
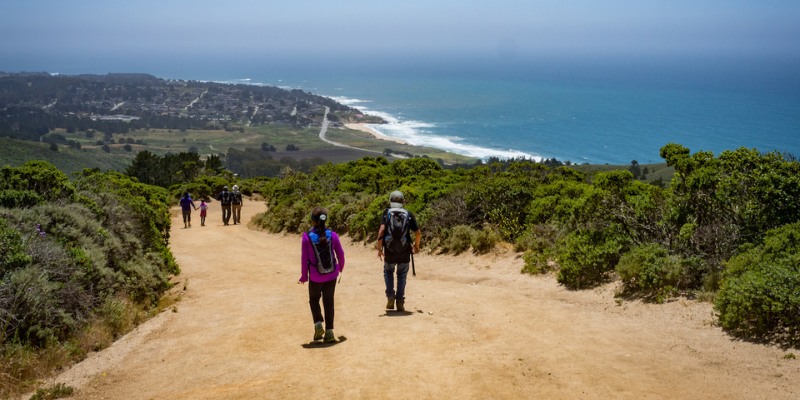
[373, 132]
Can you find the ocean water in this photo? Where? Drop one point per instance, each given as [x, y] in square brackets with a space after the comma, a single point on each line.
[583, 112]
[613, 118]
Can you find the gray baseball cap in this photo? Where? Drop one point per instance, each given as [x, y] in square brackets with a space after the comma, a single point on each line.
[396, 199]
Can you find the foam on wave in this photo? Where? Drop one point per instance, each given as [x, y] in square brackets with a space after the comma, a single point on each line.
[424, 134]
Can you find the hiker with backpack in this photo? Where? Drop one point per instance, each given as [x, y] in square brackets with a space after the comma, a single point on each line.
[236, 205]
[396, 248]
[186, 209]
[321, 262]
[225, 198]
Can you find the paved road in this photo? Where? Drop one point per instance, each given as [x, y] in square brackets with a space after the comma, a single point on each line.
[324, 129]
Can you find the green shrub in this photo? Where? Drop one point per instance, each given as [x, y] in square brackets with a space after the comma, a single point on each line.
[651, 271]
[39, 177]
[12, 249]
[458, 239]
[64, 254]
[762, 301]
[56, 391]
[537, 261]
[586, 257]
[197, 190]
[483, 241]
[759, 293]
[34, 302]
[118, 314]
[19, 198]
[364, 224]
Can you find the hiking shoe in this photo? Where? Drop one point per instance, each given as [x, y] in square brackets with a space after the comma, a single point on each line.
[400, 306]
[329, 337]
[318, 331]
[390, 303]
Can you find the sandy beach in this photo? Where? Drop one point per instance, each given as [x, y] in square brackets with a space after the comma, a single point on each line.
[373, 132]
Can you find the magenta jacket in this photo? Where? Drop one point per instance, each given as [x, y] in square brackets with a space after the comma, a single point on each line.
[307, 255]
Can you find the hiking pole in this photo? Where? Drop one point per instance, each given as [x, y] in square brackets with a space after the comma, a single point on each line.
[413, 268]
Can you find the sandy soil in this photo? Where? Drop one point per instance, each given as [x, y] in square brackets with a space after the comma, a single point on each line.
[476, 328]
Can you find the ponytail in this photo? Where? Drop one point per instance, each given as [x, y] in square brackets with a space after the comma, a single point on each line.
[319, 216]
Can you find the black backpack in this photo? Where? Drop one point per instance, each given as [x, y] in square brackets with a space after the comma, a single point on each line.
[225, 198]
[323, 250]
[396, 239]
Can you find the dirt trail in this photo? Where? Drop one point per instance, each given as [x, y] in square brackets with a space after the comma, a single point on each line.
[477, 329]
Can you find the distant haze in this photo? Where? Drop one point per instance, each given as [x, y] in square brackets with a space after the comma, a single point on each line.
[109, 36]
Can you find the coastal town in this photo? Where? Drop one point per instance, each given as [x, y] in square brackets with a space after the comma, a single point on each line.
[33, 102]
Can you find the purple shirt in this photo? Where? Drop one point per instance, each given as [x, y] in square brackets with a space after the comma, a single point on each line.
[307, 256]
[187, 204]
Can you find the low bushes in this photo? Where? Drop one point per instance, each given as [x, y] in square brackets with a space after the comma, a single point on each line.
[80, 263]
[759, 292]
[587, 257]
[589, 229]
[651, 271]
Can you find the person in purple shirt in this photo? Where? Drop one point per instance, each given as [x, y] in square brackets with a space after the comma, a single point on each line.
[186, 209]
[321, 262]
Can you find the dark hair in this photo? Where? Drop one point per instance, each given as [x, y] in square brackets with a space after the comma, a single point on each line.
[319, 216]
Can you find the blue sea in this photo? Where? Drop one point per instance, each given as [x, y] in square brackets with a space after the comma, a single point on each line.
[573, 110]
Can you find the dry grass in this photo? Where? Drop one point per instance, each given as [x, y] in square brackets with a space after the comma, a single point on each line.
[23, 367]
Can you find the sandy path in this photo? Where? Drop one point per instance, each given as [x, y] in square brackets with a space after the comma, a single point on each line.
[477, 329]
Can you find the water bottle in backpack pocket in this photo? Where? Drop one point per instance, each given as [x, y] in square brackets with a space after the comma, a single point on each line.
[323, 251]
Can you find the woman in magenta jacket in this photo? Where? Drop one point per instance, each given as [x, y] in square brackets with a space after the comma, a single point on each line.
[321, 262]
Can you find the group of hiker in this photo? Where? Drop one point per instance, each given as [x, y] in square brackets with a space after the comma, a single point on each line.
[231, 202]
[322, 261]
[322, 257]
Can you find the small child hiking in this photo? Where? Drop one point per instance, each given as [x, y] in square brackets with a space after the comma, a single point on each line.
[321, 262]
[203, 211]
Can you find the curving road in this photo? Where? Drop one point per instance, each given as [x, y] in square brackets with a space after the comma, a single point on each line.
[324, 129]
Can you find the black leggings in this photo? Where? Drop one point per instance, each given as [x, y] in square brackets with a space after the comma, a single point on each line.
[324, 290]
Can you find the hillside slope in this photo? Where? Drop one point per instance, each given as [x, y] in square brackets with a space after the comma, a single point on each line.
[476, 329]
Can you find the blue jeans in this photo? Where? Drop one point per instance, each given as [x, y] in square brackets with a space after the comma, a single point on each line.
[388, 278]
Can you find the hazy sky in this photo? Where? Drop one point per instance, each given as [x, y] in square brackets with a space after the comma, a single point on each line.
[36, 34]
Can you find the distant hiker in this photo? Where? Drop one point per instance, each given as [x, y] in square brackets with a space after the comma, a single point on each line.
[395, 248]
[186, 209]
[203, 210]
[236, 205]
[225, 199]
[321, 262]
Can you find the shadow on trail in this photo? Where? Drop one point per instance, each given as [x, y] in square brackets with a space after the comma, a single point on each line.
[320, 344]
[390, 313]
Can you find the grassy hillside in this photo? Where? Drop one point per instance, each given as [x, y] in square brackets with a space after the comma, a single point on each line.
[16, 152]
[205, 142]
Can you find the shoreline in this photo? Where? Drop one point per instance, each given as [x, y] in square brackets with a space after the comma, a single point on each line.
[373, 132]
